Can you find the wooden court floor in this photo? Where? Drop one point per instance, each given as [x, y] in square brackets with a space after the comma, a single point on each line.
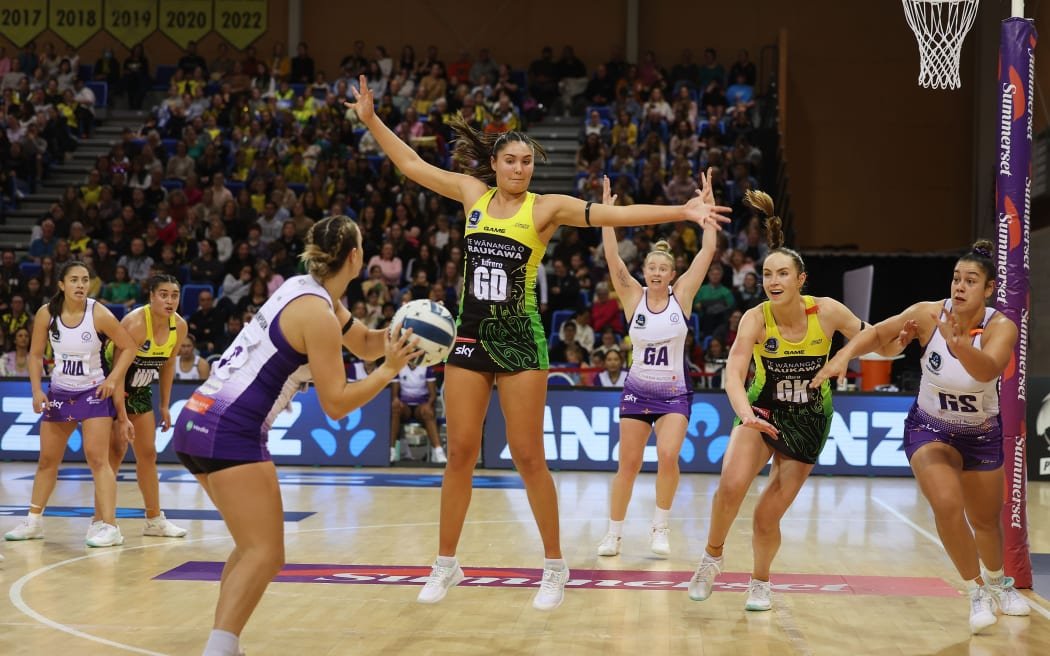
[859, 572]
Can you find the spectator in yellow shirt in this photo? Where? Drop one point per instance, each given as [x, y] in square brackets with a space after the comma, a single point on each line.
[297, 172]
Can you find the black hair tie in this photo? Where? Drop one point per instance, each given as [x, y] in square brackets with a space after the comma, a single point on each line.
[587, 212]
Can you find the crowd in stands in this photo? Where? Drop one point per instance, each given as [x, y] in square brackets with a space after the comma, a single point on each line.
[241, 154]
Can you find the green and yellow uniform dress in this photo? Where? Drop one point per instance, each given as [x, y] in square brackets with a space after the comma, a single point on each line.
[780, 391]
[149, 358]
[499, 326]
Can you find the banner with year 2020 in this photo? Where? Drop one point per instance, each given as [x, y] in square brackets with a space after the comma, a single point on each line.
[241, 21]
[130, 21]
[21, 21]
[183, 21]
[75, 21]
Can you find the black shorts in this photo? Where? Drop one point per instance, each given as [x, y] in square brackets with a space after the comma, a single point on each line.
[203, 465]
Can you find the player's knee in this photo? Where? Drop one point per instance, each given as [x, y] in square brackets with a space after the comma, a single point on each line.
[990, 523]
[667, 457]
[945, 506]
[426, 412]
[731, 490]
[529, 461]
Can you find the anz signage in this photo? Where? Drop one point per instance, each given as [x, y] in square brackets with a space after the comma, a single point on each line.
[581, 431]
[301, 435]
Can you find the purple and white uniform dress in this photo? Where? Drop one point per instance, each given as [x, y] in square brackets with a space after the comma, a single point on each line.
[229, 416]
[412, 382]
[78, 371]
[658, 380]
[955, 408]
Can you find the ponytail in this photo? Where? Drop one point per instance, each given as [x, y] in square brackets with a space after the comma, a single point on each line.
[762, 202]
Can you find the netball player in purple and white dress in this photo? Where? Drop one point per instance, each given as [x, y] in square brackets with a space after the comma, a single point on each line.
[221, 434]
[658, 393]
[953, 435]
[80, 393]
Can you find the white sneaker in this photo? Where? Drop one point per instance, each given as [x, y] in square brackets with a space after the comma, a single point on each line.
[659, 541]
[394, 455]
[437, 455]
[106, 536]
[704, 577]
[552, 589]
[29, 529]
[94, 528]
[1010, 601]
[610, 545]
[758, 596]
[982, 610]
[160, 527]
[441, 579]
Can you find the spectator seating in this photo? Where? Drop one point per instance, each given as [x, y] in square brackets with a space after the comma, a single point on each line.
[191, 295]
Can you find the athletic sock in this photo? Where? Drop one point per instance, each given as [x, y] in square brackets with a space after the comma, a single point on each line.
[993, 578]
[557, 564]
[661, 517]
[446, 561]
[616, 527]
[222, 643]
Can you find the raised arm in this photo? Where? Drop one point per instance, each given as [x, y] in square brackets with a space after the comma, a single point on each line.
[627, 288]
[457, 186]
[690, 282]
[752, 331]
[553, 210]
[886, 337]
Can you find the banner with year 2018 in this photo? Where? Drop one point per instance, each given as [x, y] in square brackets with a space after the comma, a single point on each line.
[1013, 186]
[74, 21]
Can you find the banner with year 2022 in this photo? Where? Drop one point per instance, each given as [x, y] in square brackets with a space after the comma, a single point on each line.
[241, 22]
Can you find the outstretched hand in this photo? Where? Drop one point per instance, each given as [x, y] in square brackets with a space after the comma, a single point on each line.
[608, 198]
[909, 331]
[364, 101]
[702, 209]
[950, 328]
[833, 368]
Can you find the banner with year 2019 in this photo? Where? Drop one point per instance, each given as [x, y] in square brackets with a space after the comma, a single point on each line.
[130, 21]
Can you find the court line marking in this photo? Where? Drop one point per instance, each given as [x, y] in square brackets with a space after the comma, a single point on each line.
[1035, 605]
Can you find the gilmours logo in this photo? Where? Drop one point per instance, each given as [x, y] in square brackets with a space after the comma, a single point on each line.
[464, 350]
[586, 579]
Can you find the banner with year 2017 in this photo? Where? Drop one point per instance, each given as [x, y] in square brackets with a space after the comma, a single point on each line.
[21, 21]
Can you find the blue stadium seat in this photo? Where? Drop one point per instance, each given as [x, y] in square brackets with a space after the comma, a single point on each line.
[234, 186]
[169, 145]
[86, 71]
[603, 110]
[557, 319]
[190, 295]
[183, 274]
[171, 184]
[298, 88]
[162, 78]
[694, 320]
[100, 89]
[585, 297]
[298, 187]
[117, 309]
[30, 269]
